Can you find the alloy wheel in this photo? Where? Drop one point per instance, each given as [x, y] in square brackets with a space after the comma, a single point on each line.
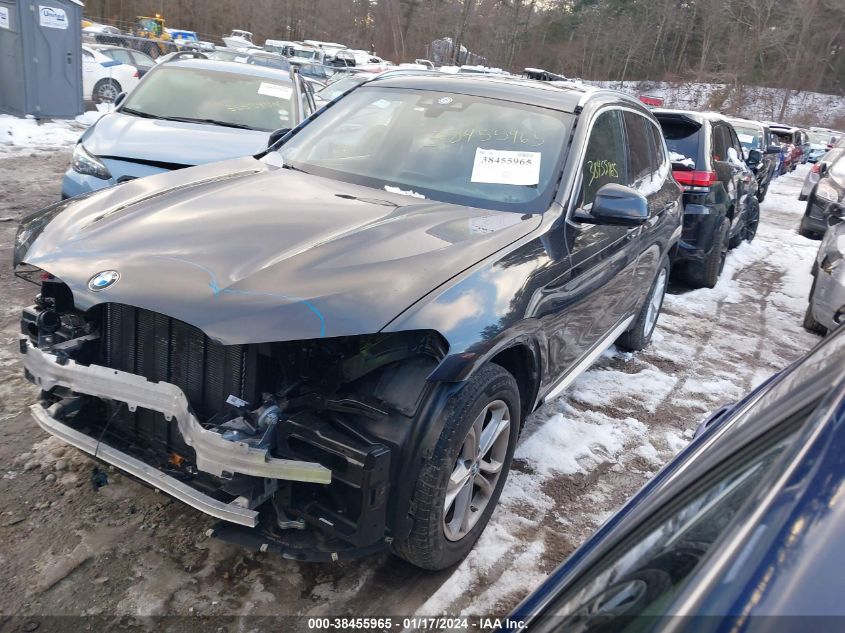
[477, 470]
[107, 92]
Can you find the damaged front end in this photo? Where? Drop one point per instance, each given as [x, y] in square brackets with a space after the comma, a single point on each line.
[293, 445]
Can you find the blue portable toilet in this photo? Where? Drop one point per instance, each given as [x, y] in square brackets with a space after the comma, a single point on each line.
[41, 58]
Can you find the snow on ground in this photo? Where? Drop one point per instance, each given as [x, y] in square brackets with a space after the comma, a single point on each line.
[628, 415]
[29, 133]
[753, 102]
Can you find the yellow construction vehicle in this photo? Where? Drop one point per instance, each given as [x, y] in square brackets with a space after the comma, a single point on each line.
[152, 28]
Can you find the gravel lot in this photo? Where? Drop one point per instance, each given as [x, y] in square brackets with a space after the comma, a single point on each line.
[127, 552]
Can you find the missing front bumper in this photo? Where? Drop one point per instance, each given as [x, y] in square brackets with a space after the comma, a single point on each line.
[138, 469]
[214, 454]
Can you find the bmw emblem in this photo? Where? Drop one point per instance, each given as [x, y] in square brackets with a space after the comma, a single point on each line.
[103, 280]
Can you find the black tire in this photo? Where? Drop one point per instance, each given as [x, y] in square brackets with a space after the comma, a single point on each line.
[752, 220]
[105, 91]
[427, 545]
[810, 324]
[639, 334]
[706, 274]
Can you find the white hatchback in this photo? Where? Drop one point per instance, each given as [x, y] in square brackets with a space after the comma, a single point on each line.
[104, 78]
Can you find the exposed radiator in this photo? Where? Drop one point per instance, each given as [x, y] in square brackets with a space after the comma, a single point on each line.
[164, 349]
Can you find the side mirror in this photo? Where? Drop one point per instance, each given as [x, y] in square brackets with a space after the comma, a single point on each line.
[119, 99]
[275, 135]
[773, 149]
[822, 169]
[835, 214]
[755, 157]
[839, 315]
[616, 204]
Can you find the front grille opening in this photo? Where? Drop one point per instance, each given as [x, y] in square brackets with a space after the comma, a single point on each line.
[161, 348]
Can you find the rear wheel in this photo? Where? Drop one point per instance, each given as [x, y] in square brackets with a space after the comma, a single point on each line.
[752, 220]
[810, 324]
[461, 482]
[706, 274]
[639, 335]
[105, 91]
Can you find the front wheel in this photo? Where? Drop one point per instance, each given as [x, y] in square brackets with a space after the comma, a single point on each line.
[461, 482]
[639, 335]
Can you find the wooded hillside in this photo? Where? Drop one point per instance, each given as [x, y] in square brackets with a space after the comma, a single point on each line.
[796, 44]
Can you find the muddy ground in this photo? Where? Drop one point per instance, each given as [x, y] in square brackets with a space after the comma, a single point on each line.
[125, 552]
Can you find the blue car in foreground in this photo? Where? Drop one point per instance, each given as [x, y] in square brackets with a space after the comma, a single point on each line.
[743, 531]
[184, 113]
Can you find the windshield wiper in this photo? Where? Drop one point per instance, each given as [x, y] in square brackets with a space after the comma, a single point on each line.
[186, 119]
[145, 115]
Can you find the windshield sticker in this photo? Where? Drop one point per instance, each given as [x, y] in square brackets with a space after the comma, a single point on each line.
[503, 167]
[409, 192]
[746, 138]
[242, 58]
[381, 103]
[4, 18]
[601, 169]
[274, 90]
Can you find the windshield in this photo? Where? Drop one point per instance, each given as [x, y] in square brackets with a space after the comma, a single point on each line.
[820, 138]
[749, 137]
[303, 53]
[227, 98]
[454, 148]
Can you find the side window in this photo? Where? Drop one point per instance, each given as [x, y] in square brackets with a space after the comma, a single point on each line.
[734, 152]
[659, 151]
[640, 147]
[719, 146]
[604, 159]
[121, 56]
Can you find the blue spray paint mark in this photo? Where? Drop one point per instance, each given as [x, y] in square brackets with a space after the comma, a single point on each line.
[216, 290]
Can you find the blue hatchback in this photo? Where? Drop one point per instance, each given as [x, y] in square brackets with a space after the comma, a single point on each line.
[743, 531]
[184, 113]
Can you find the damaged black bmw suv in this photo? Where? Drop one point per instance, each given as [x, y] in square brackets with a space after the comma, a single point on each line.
[332, 346]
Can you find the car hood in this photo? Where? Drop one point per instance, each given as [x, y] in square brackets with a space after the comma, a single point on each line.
[249, 252]
[125, 136]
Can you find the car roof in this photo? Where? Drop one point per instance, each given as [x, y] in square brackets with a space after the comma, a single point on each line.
[564, 98]
[699, 117]
[747, 122]
[232, 67]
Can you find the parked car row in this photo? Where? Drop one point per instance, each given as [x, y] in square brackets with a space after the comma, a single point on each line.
[330, 342]
[226, 110]
[721, 205]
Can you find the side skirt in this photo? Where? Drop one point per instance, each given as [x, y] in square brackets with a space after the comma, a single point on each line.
[586, 361]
